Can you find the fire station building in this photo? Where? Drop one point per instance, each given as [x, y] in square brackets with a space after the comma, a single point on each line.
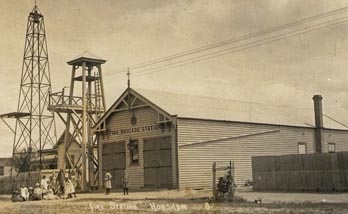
[167, 140]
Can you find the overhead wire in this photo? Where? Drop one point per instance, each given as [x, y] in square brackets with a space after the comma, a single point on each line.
[242, 47]
[118, 71]
[342, 124]
[226, 42]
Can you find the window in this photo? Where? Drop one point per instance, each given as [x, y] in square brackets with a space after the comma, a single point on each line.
[134, 151]
[332, 147]
[1, 170]
[302, 148]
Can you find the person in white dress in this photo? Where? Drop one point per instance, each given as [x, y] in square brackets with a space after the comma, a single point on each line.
[24, 193]
[107, 179]
[44, 185]
[50, 195]
[69, 188]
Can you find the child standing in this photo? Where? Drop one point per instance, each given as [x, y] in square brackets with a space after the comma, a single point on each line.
[125, 180]
[107, 179]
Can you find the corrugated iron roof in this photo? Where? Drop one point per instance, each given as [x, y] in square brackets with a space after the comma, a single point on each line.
[190, 106]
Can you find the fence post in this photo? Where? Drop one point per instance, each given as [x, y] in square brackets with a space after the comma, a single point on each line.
[214, 181]
[231, 176]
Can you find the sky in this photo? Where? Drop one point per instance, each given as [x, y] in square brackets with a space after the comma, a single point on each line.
[286, 73]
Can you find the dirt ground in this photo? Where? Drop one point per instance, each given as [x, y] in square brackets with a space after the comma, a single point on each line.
[172, 201]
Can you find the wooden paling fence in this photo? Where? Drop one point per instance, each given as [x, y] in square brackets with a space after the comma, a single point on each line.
[7, 185]
[307, 172]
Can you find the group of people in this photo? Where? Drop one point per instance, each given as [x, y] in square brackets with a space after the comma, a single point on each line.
[60, 186]
[54, 187]
[125, 181]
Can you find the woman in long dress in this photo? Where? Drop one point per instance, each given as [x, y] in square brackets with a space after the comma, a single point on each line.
[53, 182]
[61, 183]
[69, 188]
[44, 185]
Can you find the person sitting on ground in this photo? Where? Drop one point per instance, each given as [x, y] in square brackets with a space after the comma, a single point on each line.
[16, 197]
[37, 195]
[31, 193]
[50, 195]
[24, 193]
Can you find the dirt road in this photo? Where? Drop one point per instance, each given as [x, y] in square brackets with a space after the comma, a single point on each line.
[179, 202]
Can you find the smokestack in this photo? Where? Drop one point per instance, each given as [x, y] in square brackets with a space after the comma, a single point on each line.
[318, 114]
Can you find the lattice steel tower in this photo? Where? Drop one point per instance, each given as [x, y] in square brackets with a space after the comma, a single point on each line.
[84, 105]
[35, 128]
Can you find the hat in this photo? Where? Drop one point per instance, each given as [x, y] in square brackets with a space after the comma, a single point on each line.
[37, 184]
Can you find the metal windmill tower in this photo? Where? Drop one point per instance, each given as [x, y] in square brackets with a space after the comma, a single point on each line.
[35, 128]
[84, 106]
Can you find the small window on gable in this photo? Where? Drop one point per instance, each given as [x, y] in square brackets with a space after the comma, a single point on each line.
[302, 148]
[331, 147]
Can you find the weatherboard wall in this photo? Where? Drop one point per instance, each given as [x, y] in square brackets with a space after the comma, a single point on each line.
[201, 142]
[338, 137]
[121, 120]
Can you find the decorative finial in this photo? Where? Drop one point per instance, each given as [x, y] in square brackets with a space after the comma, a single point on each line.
[128, 74]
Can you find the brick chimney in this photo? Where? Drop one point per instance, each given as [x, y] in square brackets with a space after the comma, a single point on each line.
[318, 114]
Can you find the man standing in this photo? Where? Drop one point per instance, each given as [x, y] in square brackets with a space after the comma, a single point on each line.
[107, 179]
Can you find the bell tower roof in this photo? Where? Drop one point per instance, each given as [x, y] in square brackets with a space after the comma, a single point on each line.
[87, 57]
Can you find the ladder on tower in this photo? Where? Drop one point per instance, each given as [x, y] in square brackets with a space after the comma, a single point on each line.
[98, 97]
